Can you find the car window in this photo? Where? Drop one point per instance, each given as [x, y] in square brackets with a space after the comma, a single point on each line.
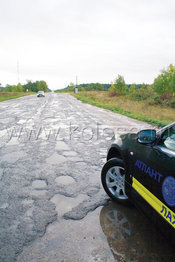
[168, 139]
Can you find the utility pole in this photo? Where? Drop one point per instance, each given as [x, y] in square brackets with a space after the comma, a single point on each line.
[18, 70]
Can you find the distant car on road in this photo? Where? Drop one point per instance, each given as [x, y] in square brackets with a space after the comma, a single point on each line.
[141, 168]
[40, 94]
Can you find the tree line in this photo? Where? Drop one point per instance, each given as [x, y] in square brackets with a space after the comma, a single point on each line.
[95, 87]
[162, 91]
[30, 86]
[163, 84]
[88, 87]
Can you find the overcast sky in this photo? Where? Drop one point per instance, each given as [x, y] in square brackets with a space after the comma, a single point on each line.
[55, 40]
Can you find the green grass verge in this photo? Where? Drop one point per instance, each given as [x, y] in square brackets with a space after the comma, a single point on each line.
[12, 95]
[116, 109]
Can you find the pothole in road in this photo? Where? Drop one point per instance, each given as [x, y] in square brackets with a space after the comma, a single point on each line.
[39, 184]
[13, 157]
[65, 204]
[55, 159]
[69, 153]
[29, 212]
[38, 193]
[62, 146]
[13, 141]
[74, 159]
[27, 202]
[64, 180]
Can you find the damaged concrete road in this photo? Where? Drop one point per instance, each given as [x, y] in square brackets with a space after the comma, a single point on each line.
[52, 150]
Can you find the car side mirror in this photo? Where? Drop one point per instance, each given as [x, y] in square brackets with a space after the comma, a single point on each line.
[147, 136]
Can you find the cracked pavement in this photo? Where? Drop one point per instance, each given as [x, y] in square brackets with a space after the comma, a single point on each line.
[52, 150]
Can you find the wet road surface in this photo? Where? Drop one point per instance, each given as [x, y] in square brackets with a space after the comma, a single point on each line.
[52, 205]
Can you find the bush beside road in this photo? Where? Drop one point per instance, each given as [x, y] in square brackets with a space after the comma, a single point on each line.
[140, 110]
[12, 95]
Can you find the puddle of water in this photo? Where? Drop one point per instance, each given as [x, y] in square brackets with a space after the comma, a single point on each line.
[69, 153]
[65, 204]
[61, 146]
[55, 159]
[64, 180]
[39, 184]
[70, 240]
[38, 193]
[132, 237]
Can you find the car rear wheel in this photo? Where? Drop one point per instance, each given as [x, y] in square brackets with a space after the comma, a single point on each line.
[113, 180]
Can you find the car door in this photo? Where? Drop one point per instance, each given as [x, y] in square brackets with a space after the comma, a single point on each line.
[154, 174]
[145, 168]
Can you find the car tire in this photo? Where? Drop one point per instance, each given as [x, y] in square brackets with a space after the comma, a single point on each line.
[113, 180]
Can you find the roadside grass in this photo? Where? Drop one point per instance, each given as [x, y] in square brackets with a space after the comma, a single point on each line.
[12, 95]
[140, 110]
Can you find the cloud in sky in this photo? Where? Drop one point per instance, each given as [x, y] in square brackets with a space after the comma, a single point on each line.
[55, 40]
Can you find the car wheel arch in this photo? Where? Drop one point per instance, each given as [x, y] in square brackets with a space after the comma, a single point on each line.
[114, 152]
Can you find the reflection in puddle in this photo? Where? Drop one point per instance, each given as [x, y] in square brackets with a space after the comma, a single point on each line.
[70, 241]
[133, 237]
